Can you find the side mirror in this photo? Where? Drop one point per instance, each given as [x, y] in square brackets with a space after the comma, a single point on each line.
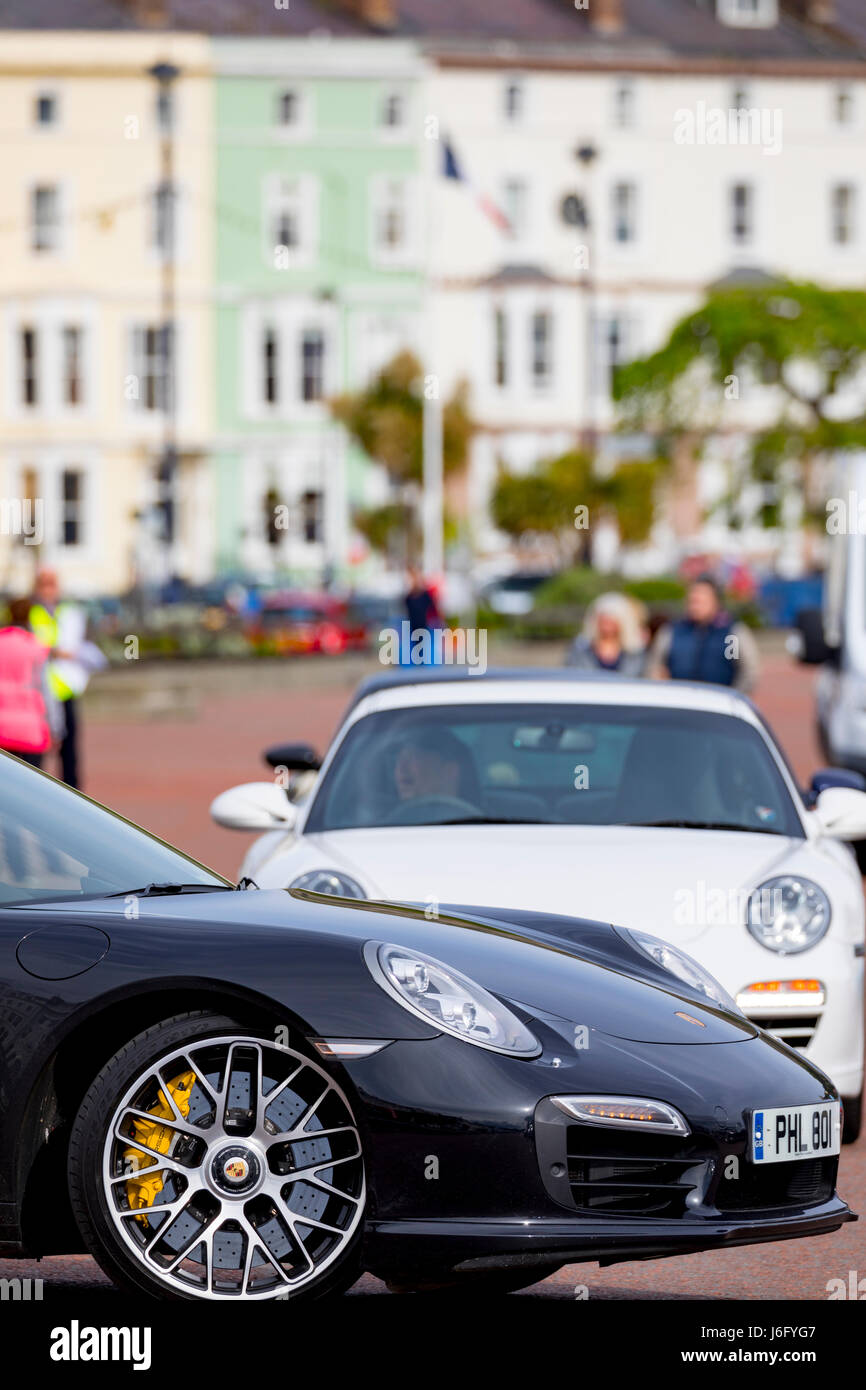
[254, 806]
[833, 777]
[296, 757]
[841, 812]
[814, 648]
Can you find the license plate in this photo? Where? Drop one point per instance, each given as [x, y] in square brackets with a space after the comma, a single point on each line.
[798, 1131]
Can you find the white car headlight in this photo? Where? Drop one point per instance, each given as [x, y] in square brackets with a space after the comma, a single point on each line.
[448, 1000]
[329, 881]
[788, 914]
[677, 963]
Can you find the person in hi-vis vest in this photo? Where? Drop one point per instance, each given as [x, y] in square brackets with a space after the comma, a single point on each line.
[60, 627]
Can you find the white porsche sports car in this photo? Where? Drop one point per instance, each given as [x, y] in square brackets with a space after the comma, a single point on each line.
[664, 807]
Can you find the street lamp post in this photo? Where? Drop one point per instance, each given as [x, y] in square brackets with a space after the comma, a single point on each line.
[165, 75]
[586, 155]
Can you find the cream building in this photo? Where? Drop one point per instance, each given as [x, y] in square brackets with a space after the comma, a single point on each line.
[85, 223]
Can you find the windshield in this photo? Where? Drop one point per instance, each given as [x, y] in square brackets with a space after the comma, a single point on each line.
[56, 844]
[554, 765]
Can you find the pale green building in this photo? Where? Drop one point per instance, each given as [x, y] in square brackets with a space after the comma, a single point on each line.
[320, 197]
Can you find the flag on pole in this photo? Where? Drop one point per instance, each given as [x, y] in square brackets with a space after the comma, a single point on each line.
[451, 170]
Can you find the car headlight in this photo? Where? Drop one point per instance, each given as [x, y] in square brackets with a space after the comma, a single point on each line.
[677, 963]
[329, 881]
[448, 1000]
[788, 914]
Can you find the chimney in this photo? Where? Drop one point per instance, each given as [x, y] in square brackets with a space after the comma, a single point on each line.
[814, 11]
[606, 16]
[381, 14]
[150, 14]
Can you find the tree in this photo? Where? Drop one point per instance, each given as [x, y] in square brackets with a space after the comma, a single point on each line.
[387, 420]
[565, 497]
[803, 344]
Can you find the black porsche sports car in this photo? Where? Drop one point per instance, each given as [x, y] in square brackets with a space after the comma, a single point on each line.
[223, 1093]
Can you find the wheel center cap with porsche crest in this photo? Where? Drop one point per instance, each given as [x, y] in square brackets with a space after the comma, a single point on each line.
[235, 1170]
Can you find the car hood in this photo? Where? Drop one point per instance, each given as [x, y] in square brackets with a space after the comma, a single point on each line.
[583, 972]
[672, 883]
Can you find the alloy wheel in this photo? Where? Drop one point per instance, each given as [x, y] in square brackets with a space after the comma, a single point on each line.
[232, 1168]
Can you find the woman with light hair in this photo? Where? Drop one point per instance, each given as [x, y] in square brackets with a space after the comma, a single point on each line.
[613, 638]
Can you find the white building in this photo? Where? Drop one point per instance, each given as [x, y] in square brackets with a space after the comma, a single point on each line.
[623, 120]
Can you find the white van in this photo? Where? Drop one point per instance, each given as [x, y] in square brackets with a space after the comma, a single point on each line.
[835, 637]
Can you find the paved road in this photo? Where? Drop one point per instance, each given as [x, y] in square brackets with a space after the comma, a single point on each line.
[164, 775]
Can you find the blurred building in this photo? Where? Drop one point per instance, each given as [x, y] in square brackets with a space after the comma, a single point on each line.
[215, 216]
[599, 194]
[319, 281]
[86, 218]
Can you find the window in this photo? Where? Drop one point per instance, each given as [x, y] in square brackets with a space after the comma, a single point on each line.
[393, 115]
[152, 360]
[57, 846]
[391, 223]
[514, 99]
[71, 507]
[624, 105]
[312, 516]
[614, 346]
[29, 367]
[624, 213]
[742, 213]
[748, 13]
[270, 366]
[72, 388]
[844, 208]
[704, 766]
[312, 364]
[290, 220]
[45, 218]
[514, 205]
[289, 107]
[500, 347]
[843, 106]
[542, 348]
[46, 109]
[164, 220]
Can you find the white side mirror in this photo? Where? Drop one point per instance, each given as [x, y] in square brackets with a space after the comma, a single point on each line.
[841, 812]
[255, 806]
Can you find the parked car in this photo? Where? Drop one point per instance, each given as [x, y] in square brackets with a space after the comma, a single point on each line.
[227, 1095]
[514, 594]
[666, 807]
[295, 622]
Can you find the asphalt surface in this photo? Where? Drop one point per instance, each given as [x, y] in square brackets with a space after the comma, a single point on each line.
[164, 775]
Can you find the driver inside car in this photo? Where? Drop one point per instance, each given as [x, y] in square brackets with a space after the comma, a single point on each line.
[431, 763]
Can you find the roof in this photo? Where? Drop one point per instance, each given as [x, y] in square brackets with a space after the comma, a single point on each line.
[448, 685]
[657, 31]
[227, 17]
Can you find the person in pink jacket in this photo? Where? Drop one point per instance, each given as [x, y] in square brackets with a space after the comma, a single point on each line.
[26, 707]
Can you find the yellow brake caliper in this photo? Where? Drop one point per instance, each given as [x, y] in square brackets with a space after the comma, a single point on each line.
[143, 1191]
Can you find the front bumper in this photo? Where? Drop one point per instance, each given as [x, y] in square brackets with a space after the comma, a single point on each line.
[458, 1172]
[396, 1248]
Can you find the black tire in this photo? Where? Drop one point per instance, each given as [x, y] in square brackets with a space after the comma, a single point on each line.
[852, 1109]
[113, 1233]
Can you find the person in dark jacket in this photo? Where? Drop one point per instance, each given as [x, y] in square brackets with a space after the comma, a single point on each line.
[706, 644]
